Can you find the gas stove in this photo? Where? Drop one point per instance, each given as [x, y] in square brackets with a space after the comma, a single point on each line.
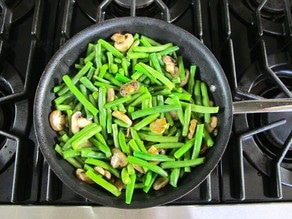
[250, 38]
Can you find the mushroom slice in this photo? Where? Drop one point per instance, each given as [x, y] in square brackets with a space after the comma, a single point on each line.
[160, 183]
[129, 88]
[158, 126]
[122, 116]
[110, 94]
[118, 158]
[103, 172]
[192, 128]
[80, 174]
[171, 65]
[57, 120]
[77, 122]
[122, 41]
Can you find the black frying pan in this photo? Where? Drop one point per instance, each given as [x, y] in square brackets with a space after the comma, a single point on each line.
[190, 48]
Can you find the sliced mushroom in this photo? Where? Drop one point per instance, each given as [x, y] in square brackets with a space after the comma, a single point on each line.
[139, 168]
[192, 128]
[103, 172]
[122, 116]
[118, 158]
[212, 125]
[185, 81]
[171, 65]
[80, 174]
[110, 94]
[158, 126]
[174, 115]
[77, 122]
[57, 120]
[122, 41]
[160, 183]
[129, 88]
[119, 184]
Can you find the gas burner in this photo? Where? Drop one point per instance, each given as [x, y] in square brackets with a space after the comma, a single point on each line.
[139, 3]
[13, 114]
[147, 8]
[263, 148]
[19, 8]
[272, 14]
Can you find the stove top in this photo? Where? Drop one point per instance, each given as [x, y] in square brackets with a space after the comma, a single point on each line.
[250, 38]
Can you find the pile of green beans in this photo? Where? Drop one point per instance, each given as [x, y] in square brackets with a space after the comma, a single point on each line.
[103, 68]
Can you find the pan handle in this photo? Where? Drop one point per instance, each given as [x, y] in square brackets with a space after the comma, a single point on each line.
[262, 106]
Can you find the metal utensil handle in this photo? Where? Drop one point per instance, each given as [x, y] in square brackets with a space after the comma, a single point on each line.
[262, 106]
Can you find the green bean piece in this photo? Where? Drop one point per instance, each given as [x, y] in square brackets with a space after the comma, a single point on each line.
[174, 176]
[150, 40]
[131, 169]
[169, 119]
[110, 60]
[110, 48]
[137, 139]
[90, 48]
[146, 121]
[122, 142]
[88, 84]
[182, 163]
[104, 165]
[208, 139]
[169, 50]
[97, 60]
[125, 176]
[157, 109]
[102, 110]
[100, 138]
[197, 93]
[97, 178]
[187, 118]
[205, 100]
[154, 80]
[169, 145]
[133, 145]
[115, 135]
[122, 78]
[71, 153]
[152, 157]
[112, 79]
[152, 49]
[130, 189]
[150, 166]
[92, 154]
[87, 128]
[157, 75]
[63, 107]
[181, 151]
[103, 147]
[121, 123]
[61, 99]
[147, 188]
[86, 103]
[187, 156]
[125, 64]
[198, 141]
[191, 82]
[109, 121]
[103, 70]
[118, 101]
[180, 110]
[81, 139]
[90, 57]
[155, 62]
[182, 73]
[158, 138]
[74, 162]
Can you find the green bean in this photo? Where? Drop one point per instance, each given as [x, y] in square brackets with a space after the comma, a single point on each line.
[149, 40]
[90, 48]
[130, 189]
[169, 145]
[86, 103]
[112, 79]
[183, 163]
[90, 57]
[122, 142]
[81, 139]
[146, 121]
[125, 64]
[102, 110]
[157, 138]
[88, 84]
[104, 165]
[205, 100]
[179, 111]
[68, 145]
[110, 48]
[63, 107]
[140, 99]
[92, 154]
[122, 78]
[59, 100]
[156, 74]
[118, 101]
[197, 93]
[198, 141]
[152, 49]
[97, 60]
[115, 135]
[97, 178]
[121, 123]
[169, 50]
[157, 109]
[148, 178]
[130, 169]
[191, 82]
[187, 118]
[71, 153]
[147, 187]
[109, 120]
[140, 68]
[103, 70]
[208, 139]
[155, 63]
[103, 147]
[76, 78]
[125, 176]
[152, 157]
[181, 151]
[174, 176]
[187, 156]
[182, 73]
[133, 145]
[137, 139]
[148, 165]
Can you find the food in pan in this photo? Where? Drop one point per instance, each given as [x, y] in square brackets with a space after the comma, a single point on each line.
[132, 115]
